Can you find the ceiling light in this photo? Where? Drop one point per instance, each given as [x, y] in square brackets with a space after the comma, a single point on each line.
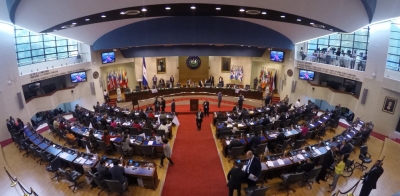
[63, 27]
[144, 10]
[122, 13]
[193, 7]
[87, 19]
[218, 8]
[299, 19]
[241, 45]
[249, 46]
[283, 16]
[331, 29]
[241, 10]
[103, 16]
[263, 13]
[74, 23]
[167, 8]
[55, 30]
[311, 23]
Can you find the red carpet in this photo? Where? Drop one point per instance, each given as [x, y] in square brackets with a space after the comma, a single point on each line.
[197, 170]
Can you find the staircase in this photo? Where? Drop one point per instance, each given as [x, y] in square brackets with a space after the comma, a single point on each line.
[113, 102]
[276, 98]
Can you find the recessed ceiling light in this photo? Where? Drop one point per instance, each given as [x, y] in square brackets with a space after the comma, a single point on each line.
[218, 8]
[74, 23]
[122, 13]
[299, 19]
[144, 10]
[63, 27]
[210, 44]
[263, 13]
[311, 23]
[249, 46]
[241, 10]
[167, 8]
[103, 16]
[241, 45]
[87, 19]
[283, 16]
[331, 29]
[193, 7]
[55, 30]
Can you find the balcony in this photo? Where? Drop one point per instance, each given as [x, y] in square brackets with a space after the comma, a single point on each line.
[344, 61]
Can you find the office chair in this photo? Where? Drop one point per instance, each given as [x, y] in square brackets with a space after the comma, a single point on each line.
[268, 127]
[71, 176]
[286, 123]
[133, 131]
[53, 167]
[116, 186]
[118, 130]
[23, 145]
[307, 136]
[235, 153]
[100, 126]
[276, 125]
[321, 132]
[258, 129]
[101, 184]
[147, 151]
[310, 177]
[104, 147]
[365, 157]
[121, 151]
[161, 133]
[297, 144]
[281, 148]
[256, 191]
[260, 149]
[70, 143]
[147, 132]
[45, 157]
[85, 144]
[291, 179]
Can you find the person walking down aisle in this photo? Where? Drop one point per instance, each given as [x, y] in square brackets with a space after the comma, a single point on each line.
[219, 99]
[206, 107]
[235, 178]
[371, 178]
[167, 153]
[253, 169]
[199, 119]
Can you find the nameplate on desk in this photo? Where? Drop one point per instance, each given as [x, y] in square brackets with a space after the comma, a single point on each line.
[280, 162]
[299, 156]
[228, 125]
[150, 143]
[112, 139]
[270, 163]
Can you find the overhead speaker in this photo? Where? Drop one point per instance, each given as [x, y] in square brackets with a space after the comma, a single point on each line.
[20, 101]
[92, 88]
[294, 83]
[364, 96]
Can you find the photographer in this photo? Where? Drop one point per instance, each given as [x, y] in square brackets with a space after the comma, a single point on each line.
[371, 178]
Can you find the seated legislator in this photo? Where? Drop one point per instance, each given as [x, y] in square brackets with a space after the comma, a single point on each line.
[234, 143]
[103, 121]
[307, 166]
[164, 126]
[150, 115]
[149, 108]
[117, 172]
[137, 125]
[102, 171]
[254, 141]
[113, 123]
[62, 126]
[106, 138]
[304, 130]
[125, 144]
[142, 115]
[235, 128]
[56, 124]
[343, 148]
[69, 135]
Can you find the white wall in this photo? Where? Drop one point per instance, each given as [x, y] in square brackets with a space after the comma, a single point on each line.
[171, 62]
[215, 69]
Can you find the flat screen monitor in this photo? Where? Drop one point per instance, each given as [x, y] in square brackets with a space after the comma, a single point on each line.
[107, 57]
[277, 56]
[306, 75]
[78, 77]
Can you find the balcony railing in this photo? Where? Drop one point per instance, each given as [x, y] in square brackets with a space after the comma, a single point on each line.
[342, 61]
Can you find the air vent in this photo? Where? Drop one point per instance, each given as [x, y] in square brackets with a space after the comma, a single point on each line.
[253, 12]
[132, 12]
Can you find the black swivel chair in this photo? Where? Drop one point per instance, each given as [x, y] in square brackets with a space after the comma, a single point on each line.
[133, 131]
[121, 151]
[235, 153]
[55, 164]
[256, 191]
[45, 157]
[101, 184]
[260, 149]
[311, 176]
[281, 148]
[147, 151]
[104, 147]
[365, 157]
[72, 176]
[116, 186]
[297, 144]
[291, 179]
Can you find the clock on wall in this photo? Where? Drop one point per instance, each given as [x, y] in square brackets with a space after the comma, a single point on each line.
[95, 75]
[193, 62]
[289, 72]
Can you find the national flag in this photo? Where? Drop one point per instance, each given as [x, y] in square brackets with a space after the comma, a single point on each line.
[144, 75]
[175, 121]
[126, 79]
[110, 81]
[115, 79]
[121, 82]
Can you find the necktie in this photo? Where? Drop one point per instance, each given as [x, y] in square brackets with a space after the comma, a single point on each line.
[248, 166]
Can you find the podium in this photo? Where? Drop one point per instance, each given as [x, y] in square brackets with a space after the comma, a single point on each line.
[194, 105]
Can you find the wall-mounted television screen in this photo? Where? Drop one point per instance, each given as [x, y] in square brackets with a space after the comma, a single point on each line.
[306, 75]
[78, 77]
[277, 56]
[107, 57]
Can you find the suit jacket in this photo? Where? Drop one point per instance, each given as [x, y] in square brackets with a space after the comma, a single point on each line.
[235, 177]
[265, 122]
[344, 150]
[156, 103]
[163, 103]
[267, 100]
[255, 141]
[328, 159]
[235, 143]
[103, 172]
[201, 115]
[200, 83]
[234, 109]
[173, 107]
[117, 173]
[254, 167]
[206, 105]
[373, 176]
[9, 126]
[171, 79]
[154, 79]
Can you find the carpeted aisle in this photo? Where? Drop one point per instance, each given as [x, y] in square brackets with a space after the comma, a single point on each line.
[197, 170]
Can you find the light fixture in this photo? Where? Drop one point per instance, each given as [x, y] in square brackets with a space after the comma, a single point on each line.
[263, 13]
[193, 7]
[299, 19]
[218, 8]
[311, 23]
[144, 10]
[331, 29]
[55, 30]
[103, 16]
[74, 23]
[249, 46]
[63, 27]
[87, 19]
[122, 13]
[241, 45]
[167, 8]
[241, 10]
[283, 16]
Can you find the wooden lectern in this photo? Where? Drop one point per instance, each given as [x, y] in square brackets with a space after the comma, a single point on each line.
[194, 105]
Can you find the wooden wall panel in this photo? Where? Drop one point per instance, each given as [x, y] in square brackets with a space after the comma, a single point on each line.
[185, 73]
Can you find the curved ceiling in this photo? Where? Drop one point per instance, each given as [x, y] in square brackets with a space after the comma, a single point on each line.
[348, 16]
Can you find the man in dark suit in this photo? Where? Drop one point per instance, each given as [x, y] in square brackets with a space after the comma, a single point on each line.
[117, 172]
[328, 161]
[172, 80]
[142, 115]
[240, 101]
[149, 108]
[155, 81]
[157, 105]
[265, 122]
[102, 171]
[235, 177]
[221, 81]
[343, 148]
[371, 178]
[234, 143]
[206, 107]
[162, 104]
[254, 141]
[173, 106]
[199, 119]
[253, 169]
[267, 99]
[9, 125]
[103, 121]
[234, 108]
[211, 80]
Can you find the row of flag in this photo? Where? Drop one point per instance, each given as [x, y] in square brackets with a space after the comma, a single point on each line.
[117, 78]
[237, 73]
[267, 78]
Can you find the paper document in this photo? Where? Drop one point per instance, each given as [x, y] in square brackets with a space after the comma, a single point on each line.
[150, 143]
[64, 155]
[312, 125]
[89, 162]
[280, 162]
[112, 139]
[320, 122]
[228, 142]
[317, 151]
[300, 156]
[252, 177]
[327, 148]
[244, 167]
[240, 125]
[82, 161]
[132, 140]
[78, 159]
[273, 135]
[270, 163]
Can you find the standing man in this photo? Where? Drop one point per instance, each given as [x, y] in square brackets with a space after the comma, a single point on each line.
[162, 82]
[106, 97]
[253, 169]
[328, 161]
[172, 80]
[157, 105]
[297, 104]
[211, 80]
[235, 178]
[267, 99]
[199, 119]
[155, 81]
[206, 107]
[219, 99]
[371, 178]
[255, 83]
[167, 153]
[173, 106]
[240, 101]
[162, 104]
[221, 81]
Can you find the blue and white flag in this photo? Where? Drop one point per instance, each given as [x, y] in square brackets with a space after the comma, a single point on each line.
[144, 74]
